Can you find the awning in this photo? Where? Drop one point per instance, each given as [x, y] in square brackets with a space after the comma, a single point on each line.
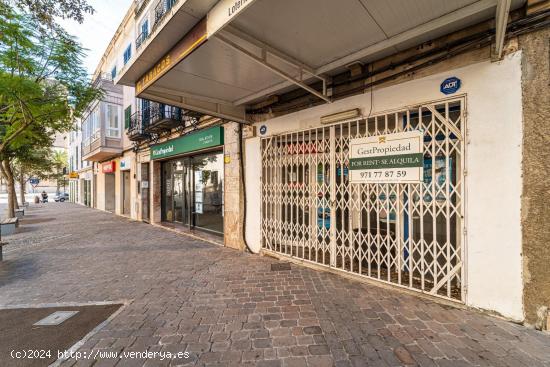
[243, 51]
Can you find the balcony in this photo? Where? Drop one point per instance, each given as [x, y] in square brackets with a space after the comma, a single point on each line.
[136, 131]
[161, 9]
[169, 21]
[99, 146]
[101, 79]
[160, 117]
[141, 39]
[159, 13]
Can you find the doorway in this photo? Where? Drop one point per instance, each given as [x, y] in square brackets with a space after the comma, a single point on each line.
[407, 234]
[126, 193]
[110, 192]
[193, 192]
[145, 192]
[87, 192]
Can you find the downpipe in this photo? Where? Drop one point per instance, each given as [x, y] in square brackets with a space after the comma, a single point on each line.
[243, 183]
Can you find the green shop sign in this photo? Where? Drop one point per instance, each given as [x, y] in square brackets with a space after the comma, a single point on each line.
[202, 139]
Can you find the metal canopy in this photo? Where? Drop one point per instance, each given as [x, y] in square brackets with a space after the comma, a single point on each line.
[273, 46]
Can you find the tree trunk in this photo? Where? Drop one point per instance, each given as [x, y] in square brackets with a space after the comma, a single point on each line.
[22, 182]
[5, 178]
[10, 181]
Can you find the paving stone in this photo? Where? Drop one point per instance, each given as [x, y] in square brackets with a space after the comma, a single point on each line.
[311, 330]
[220, 346]
[294, 362]
[241, 345]
[262, 343]
[319, 361]
[284, 341]
[318, 349]
[404, 356]
[269, 363]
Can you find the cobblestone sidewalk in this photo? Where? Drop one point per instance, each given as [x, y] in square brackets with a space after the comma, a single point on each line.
[229, 309]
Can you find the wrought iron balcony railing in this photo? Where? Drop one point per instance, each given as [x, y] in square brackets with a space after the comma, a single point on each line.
[154, 119]
[101, 77]
[141, 39]
[136, 129]
[161, 9]
[159, 12]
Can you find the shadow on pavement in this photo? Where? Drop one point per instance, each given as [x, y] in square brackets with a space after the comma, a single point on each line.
[17, 269]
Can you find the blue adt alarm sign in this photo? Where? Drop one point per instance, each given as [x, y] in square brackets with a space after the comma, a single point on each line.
[450, 85]
[263, 129]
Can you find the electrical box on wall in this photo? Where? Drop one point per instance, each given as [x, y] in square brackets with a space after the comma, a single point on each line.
[249, 131]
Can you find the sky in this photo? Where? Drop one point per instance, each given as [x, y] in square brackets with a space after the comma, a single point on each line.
[96, 31]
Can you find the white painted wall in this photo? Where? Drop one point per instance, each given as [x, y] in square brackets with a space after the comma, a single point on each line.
[493, 182]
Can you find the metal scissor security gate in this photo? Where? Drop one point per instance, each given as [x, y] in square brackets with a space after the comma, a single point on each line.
[407, 234]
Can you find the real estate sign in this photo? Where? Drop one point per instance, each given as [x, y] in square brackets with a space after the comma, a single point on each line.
[392, 158]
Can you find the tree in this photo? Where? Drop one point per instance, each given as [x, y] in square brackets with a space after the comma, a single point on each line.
[43, 86]
[43, 163]
[45, 11]
[59, 160]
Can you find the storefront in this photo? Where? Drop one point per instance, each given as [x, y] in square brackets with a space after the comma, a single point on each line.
[192, 180]
[85, 188]
[125, 166]
[108, 169]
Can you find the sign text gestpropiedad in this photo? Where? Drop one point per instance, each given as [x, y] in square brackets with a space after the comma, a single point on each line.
[392, 158]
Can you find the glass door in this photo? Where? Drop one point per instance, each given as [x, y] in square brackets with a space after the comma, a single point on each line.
[208, 192]
[178, 192]
[193, 192]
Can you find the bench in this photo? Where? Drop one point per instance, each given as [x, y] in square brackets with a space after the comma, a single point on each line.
[19, 213]
[8, 225]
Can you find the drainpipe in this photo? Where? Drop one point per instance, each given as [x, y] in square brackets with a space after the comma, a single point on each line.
[243, 181]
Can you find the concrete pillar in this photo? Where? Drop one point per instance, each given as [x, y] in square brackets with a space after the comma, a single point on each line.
[155, 191]
[233, 193]
[535, 210]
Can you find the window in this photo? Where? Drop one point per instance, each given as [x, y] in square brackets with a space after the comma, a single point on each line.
[128, 54]
[144, 29]
[127, 116]
[112, 122]
[113, 72]
[145, 113]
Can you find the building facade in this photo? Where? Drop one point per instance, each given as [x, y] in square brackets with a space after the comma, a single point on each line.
[398, 149]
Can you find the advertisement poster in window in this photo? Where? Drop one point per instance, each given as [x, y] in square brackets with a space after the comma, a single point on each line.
[198, 192]
[440, 177]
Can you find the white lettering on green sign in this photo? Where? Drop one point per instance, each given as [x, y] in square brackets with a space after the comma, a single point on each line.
[201, 139]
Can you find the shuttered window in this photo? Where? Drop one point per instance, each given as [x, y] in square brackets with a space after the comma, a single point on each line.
[127, 114]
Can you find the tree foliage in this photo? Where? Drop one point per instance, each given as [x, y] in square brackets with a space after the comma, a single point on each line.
[42, 80]
[43, 85]
[44, 11]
